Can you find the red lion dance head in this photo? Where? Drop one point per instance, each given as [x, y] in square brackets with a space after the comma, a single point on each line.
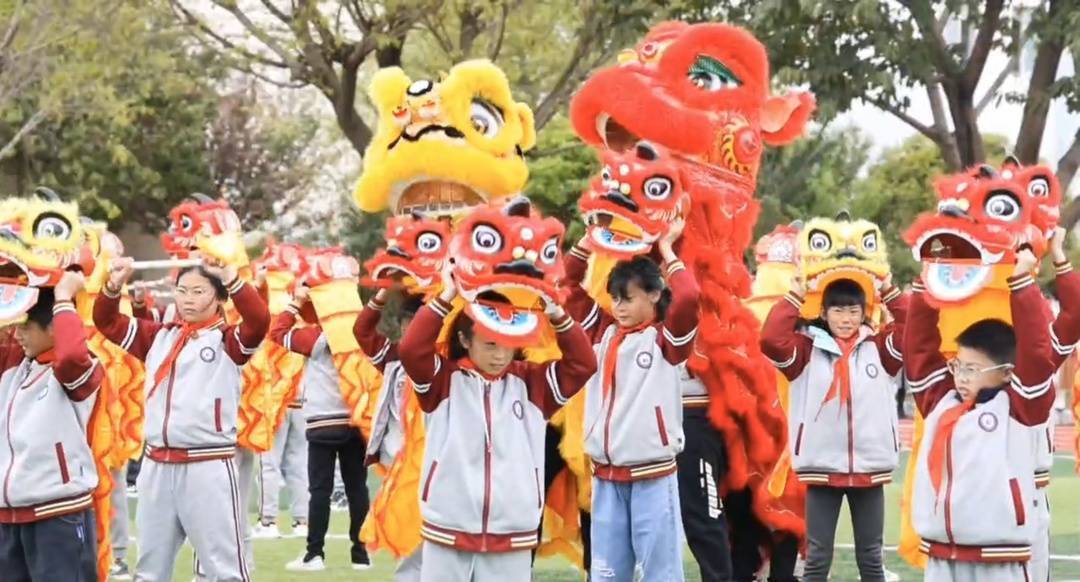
[702, 92]
[414, 254]
[200, 215]
[631, 204]
[983, 217]
[507, 263]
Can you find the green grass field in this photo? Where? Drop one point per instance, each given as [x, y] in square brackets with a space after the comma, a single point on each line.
[271, 555]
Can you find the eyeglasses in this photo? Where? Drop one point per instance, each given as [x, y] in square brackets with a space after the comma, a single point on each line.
[961, 370]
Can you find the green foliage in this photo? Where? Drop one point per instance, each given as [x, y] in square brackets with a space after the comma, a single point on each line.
[814, 176]
[127, 110]
[560, 167]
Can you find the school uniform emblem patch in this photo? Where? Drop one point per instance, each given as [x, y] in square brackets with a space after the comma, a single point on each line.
[207, 354]
[519, 410]
[872, 370]
[988, 421]
[644, 360]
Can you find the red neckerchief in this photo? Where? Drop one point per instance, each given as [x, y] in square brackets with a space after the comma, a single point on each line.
[467, 364]
[841, 382]
[611, 355]
[187, 331]
[46, 357]
[946, 425]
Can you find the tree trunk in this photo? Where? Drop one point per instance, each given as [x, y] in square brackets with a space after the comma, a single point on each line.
[1066, 171]
[1037, 105]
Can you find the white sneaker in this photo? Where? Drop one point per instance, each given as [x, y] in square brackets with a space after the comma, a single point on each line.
[891, 576]
[361, 566]
[315, 564]
[299, 530]
[262, 531]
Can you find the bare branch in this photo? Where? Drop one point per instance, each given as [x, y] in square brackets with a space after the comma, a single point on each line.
[496, 47]
[923, 14]
[269, 4]
[197, 22]
[928, 131]
[13, 27]
[28, 126]
[256, 31]
[1039, 93]
[1069, 163]
[991, 92]
[984, 41]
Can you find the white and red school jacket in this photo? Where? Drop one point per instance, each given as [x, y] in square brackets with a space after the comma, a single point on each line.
[834, 443]
[635, 431]
[981, 512]
[45, 404]
[320, 386]
[1064, 334]
[387, 425]
[482, 482]
[191, 415]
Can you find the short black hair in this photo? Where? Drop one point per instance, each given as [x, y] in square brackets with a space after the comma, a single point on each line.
[643, 272]
[42, 311]
[843, 293]
[991, 337]
[220, 292]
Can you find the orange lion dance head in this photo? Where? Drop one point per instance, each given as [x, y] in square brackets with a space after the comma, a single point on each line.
[414, 254]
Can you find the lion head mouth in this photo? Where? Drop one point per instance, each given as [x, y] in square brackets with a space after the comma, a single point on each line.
[436, 199]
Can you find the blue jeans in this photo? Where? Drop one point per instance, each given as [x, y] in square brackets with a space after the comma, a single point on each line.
[636, 524]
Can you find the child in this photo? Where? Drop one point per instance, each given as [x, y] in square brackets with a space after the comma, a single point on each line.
[387, 427]
[842, 422]
[285, 461]
[330, 439]
[188, 484]
[486, 414]
[633, 410]
[47, 388]
[1064, 334]
[974, 479]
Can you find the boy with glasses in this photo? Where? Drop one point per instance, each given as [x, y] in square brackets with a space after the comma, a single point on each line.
[974, 479]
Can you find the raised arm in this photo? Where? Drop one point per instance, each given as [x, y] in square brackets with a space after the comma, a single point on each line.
[681, 320]
[73, 367]
[242, 340]
[300, 340]
[1031, 393]
[579, 305]
[925, 368]
[781, 341]
[552, 384]
[429, 371]
[133, 335]
[380, 350]
[890, 339]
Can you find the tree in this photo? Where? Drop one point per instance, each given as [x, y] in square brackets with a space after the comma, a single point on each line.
[261, 157]
[814, 176]
[547, 46]
[872, 51]
[560, 168]
[124, 133]
[898, 187]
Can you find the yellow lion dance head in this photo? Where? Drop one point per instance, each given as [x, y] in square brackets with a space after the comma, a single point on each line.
[444, 146]
[841, 248]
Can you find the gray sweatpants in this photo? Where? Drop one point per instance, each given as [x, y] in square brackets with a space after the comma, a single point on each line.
[409, 567]
[245, 466]
[199, 501]
[118, 525]
[445, 564]
[867, 507]
[1039, 566]
[287, 462]
[938, 570]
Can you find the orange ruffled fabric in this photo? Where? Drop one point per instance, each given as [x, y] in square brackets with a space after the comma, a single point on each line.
[393, 524]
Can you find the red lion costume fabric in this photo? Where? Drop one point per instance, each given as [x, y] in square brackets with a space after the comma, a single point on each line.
[702, 92]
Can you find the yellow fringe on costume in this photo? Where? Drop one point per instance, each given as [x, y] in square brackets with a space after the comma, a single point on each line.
[337, 304]
[393, 524]
[271, 380]
[908, 547]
